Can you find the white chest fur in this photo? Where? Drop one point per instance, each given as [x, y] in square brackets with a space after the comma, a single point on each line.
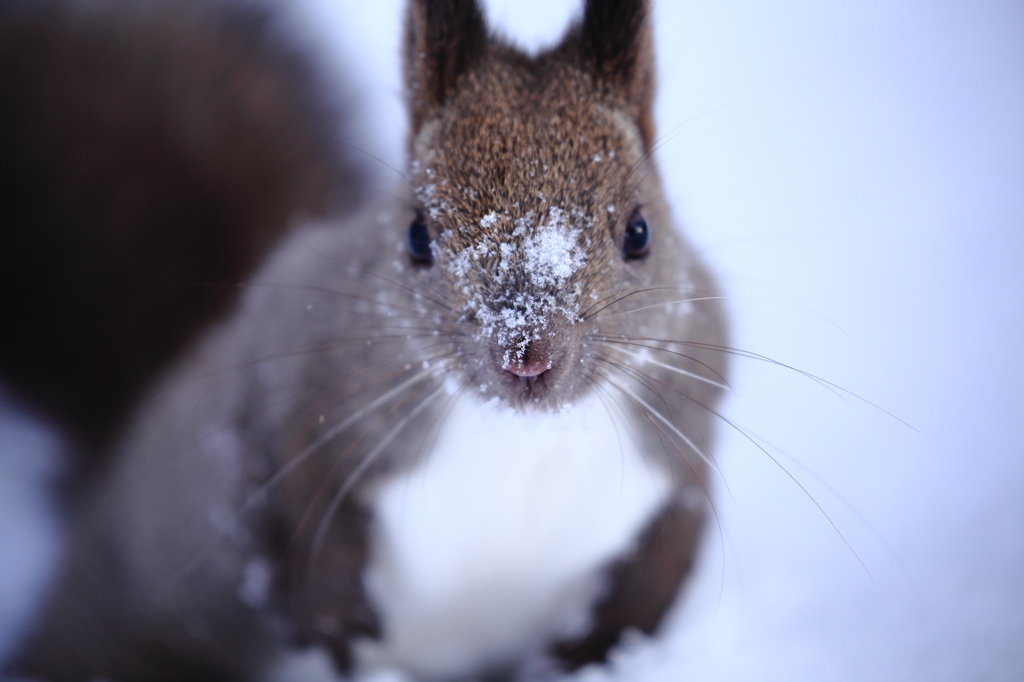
[495, 542]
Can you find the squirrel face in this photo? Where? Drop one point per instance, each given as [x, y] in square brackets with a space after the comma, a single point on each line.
[532, 187]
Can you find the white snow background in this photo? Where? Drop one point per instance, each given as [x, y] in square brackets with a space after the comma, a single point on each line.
[855, 174]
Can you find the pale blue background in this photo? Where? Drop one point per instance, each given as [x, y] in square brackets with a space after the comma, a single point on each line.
[855, 173]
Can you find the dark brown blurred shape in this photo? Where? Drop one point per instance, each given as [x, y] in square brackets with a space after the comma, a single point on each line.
[151, 153]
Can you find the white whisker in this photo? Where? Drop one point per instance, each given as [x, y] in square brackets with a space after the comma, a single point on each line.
[355, 474]
[328, 436]
[662, 304]
[673, 368]
[667, 422]
[258, 496]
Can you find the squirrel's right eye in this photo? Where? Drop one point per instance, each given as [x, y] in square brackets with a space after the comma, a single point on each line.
[638, 236]
[419, 242]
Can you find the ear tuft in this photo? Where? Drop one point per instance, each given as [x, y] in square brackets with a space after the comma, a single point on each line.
[615, 44]
[443, 40]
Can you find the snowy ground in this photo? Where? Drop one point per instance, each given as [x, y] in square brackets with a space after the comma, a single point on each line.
[855, 173]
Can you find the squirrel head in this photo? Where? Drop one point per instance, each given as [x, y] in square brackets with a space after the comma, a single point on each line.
[534, 190]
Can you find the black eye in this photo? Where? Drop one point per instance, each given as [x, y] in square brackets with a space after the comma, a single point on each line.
[419, 242]
[638, 236]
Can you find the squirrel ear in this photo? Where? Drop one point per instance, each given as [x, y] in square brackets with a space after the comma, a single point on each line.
[615, 43]
[443, 39]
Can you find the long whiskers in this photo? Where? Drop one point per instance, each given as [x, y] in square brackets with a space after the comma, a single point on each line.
[311, 288]
[697, 473]
[378, 160]
[849, 506]
[694, 299]
[258, 496]
[332, 433]
[589, 313]
[303, 350]
[789, 474]
[667, 422]
[672, 368]
[353, 477]
[626, 341]
[412, 291]
[660, 304]
[603, 393]
[647, 342]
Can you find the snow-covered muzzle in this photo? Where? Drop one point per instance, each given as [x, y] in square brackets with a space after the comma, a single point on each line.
[531, 295]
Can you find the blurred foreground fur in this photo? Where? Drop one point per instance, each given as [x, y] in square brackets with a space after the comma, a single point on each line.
[151, 153]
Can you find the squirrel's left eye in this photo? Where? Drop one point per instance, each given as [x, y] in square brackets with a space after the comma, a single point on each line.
[419, 242]
[638, 236]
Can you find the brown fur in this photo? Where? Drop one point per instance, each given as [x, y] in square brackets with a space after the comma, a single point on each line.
[153, 153]
[442, 40]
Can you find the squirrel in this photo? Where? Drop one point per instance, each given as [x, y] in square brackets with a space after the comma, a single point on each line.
[462, 434]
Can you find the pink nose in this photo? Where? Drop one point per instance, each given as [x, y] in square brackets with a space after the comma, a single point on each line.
[530, 368]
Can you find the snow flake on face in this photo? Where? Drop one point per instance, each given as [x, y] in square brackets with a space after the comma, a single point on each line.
[506, 252]
[428, 195]
[539, 258]
[489, 219]
[462, 263]
[553, 253]
[523, 224]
